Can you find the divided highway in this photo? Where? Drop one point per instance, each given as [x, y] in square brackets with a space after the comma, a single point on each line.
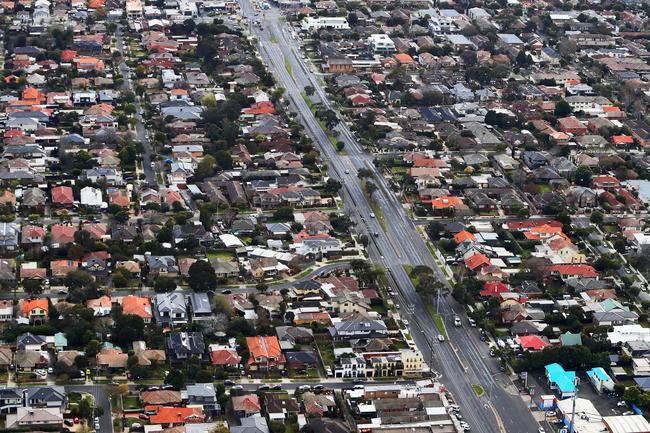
[464, 360]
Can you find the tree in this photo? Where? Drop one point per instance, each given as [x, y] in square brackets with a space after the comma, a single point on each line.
[567, 48]
[562, 109]
[596, 217]
[205, 168]
[363, 173]
[201, 276]
[78, 280]
[164, 284]
[33, 286]
[92, 348]
[369, 187]
[175, 378]
[127, 329]
[284, 213]
[309, 90]
[332, 186]
[582, 175]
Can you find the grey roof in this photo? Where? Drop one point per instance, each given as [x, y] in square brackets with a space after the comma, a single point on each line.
[29, 339]
[174, 301]
[290, 333]
[167, 263]
[509, 38]
[200, 303]
[47, 393]
[606, 316]
[360, 324]
[251, 425]
[186, 343]
[204, 390]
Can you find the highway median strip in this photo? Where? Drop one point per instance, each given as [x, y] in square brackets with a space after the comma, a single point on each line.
[437, 319]
[379, 215]
[288, 67]
[478, 389]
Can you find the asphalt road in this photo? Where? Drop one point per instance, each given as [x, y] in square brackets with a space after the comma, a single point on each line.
[140, 129]
[462, 364]
[101, 400]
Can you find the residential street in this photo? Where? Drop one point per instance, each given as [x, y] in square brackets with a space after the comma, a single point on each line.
[140, 129]
[101, 399]
[400, 244]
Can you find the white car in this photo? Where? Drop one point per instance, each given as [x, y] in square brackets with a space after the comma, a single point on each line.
[441, 338]
[541, 430]
[97, 423]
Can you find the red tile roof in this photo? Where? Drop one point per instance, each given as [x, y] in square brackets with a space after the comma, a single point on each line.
[574, 270]
[62, 195]
[533, 342]
[30, 305]
[222, 357]
[476, 261]
[177, 415]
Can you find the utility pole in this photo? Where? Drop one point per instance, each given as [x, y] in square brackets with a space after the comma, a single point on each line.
[576, 382]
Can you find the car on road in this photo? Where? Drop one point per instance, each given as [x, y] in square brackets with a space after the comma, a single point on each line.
[263, 387]
[406, 322]
[228, 382]
[277, 387]
[68, 422]
[457, 321]
[372, 214]
[318, 387]
[96, 423]
[304, 388]
[465, 426]
[347, 172]
[621, 404]
[441, 338]
[226, 292]
[144, 416]
[237, 388]
[472, 322]
[541, 430]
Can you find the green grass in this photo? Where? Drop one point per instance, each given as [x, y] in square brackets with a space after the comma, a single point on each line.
[544, 188]
[220, 255]
[273, 39]
[437, 319]
[131, 402]
[478, 389]
[379, 214]
[327, 354]
[288, 67]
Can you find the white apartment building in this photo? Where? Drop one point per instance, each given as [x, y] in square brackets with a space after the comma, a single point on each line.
[380, 43]
[311, 24]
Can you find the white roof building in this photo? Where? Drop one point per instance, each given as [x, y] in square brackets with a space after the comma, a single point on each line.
[91, 197]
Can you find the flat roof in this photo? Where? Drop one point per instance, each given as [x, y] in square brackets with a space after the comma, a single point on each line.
[627, 424]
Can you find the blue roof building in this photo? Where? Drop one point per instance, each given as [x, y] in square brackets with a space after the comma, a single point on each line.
[560, 379]
[600, 379]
